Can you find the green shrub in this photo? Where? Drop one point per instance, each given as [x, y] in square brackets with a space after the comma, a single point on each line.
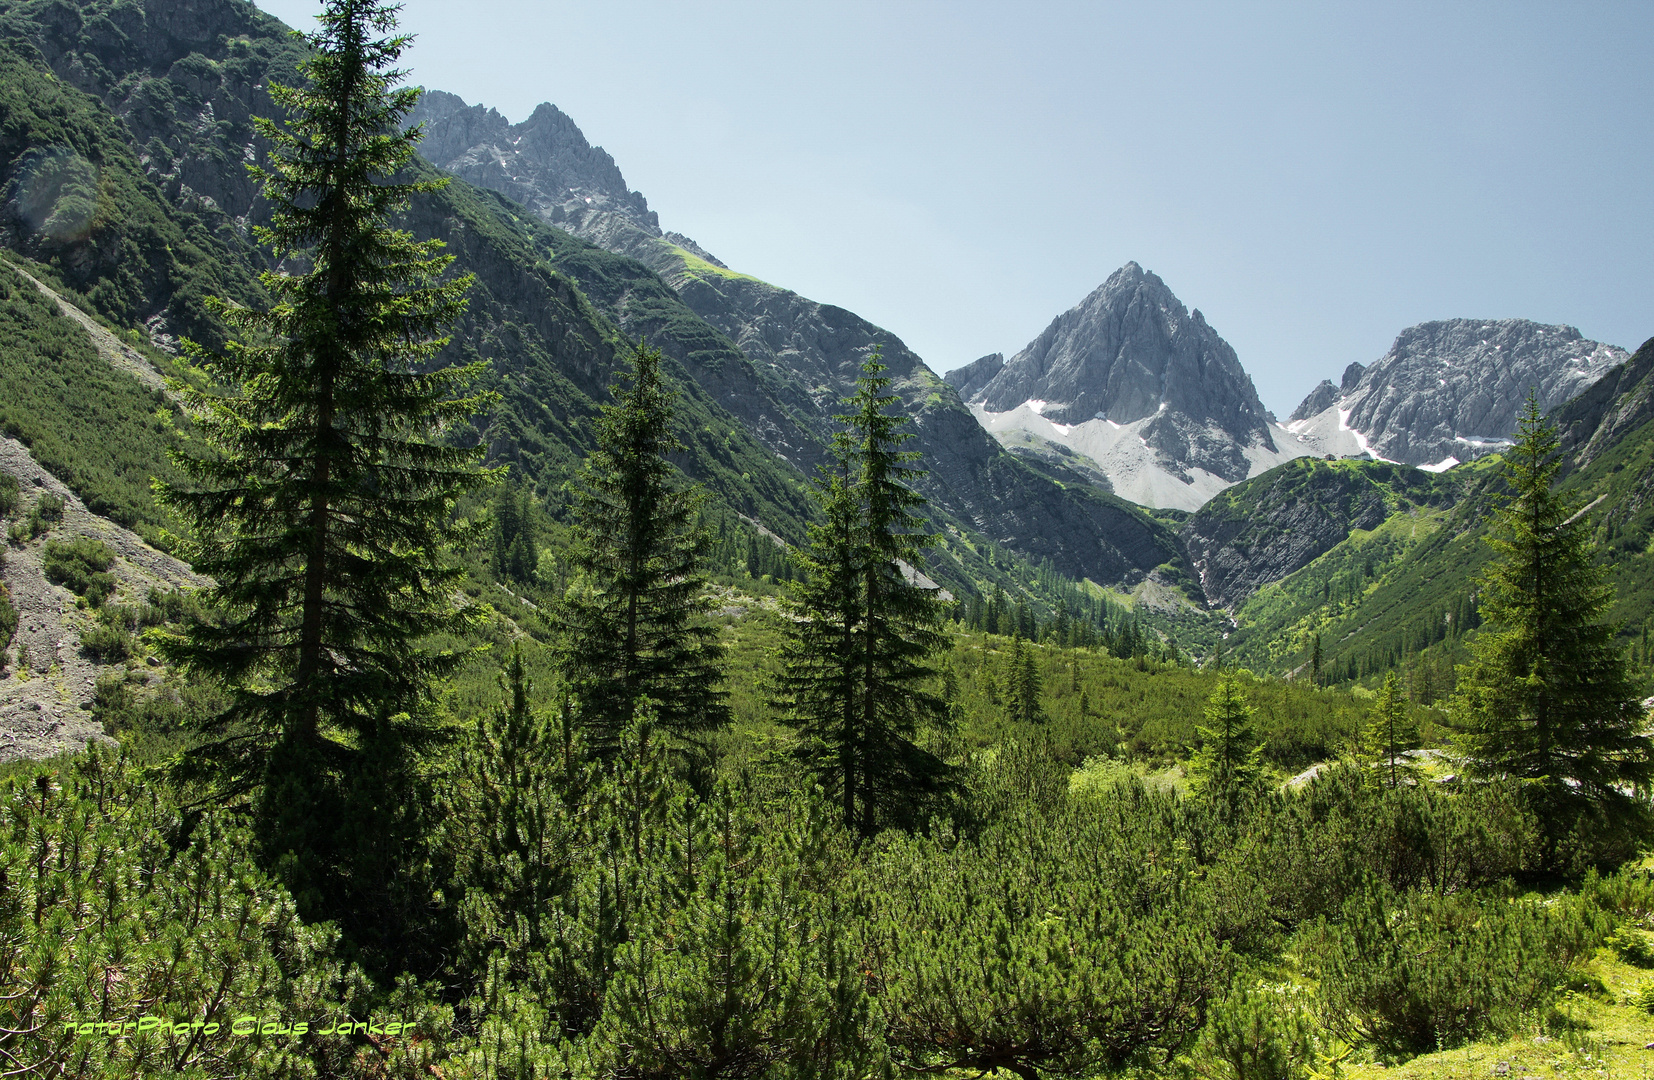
[1633, 946]
[113, 911]
[1255, 1035]
[80, 565]
[8, 494]
[106, 644]
[8, 614]
[1409, 973]
[46, 510]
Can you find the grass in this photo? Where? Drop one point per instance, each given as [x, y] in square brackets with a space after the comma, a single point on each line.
[698, 266]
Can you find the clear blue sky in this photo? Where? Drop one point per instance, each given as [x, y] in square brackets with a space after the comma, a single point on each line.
[1314, 178]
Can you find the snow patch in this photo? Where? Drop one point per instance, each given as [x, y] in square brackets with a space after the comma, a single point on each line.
[1441, 466]
[1360, 439]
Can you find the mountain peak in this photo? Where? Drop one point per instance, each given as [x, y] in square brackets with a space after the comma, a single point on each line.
[545, 162]
[1122, 353]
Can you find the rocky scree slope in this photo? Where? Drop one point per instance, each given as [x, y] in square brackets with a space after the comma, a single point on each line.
[801, 357]
[45, 705]
[1450, 391]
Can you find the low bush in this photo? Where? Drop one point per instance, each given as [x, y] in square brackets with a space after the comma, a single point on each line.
[80, 565]
[1409, 973]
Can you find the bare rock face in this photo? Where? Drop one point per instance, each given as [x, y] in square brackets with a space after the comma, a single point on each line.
[1451, 390]
[1323, 397]
[976, 375]
[1131, 352]
[545, 162]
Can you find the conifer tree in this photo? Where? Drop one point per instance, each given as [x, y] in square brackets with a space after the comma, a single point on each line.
[634, 626]
[1391, 733]
[323, 513]
[1229, 763]
[1547, 698]
[855, 659]
[1022, 682]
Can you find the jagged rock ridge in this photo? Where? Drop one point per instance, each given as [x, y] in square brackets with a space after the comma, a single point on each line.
[1450, 391]
[545, 162]
[1142, 388]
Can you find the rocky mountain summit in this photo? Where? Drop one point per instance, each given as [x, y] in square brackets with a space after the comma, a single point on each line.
[545, 162]
[1450, 391]
[1127, 351]
[1139, 386]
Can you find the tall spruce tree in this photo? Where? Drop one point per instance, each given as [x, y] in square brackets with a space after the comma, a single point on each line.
[856, 672]
[1547, 698]
[322, 514]
[633, 626]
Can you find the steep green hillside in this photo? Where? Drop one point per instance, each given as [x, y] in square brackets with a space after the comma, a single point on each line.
[96, 428]
[157, 103]
[1401, 593]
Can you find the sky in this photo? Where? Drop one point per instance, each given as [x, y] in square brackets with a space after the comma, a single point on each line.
[1314, 178]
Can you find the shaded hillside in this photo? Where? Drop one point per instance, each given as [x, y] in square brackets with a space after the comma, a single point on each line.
[1263, 529]
[172, 226]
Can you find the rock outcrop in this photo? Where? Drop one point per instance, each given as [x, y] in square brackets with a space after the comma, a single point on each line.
[1450, 391]
[1259, 531]
[1130, 352]
[1616, 405]
[545, 162]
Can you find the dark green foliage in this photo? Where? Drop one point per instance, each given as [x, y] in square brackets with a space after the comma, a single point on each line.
[1414, 972]
[322, 518]
[633, 627]
[1022, 684]
[1547, 698]
[855, 680]
[46, 511]
[511, 826]
[1066, 944]
[115, 909]
[80, 565]
[9, 500]
[107, 644]
[324, 514]
[741, 962]
[8, 616]
[1228, 766]
[1256, 1035]
[516, 556]
[1390, 734]
[1304, 855]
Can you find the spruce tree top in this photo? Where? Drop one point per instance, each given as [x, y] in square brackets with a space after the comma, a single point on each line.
[324, 514]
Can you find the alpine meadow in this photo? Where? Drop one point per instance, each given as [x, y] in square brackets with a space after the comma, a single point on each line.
[451, 627]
